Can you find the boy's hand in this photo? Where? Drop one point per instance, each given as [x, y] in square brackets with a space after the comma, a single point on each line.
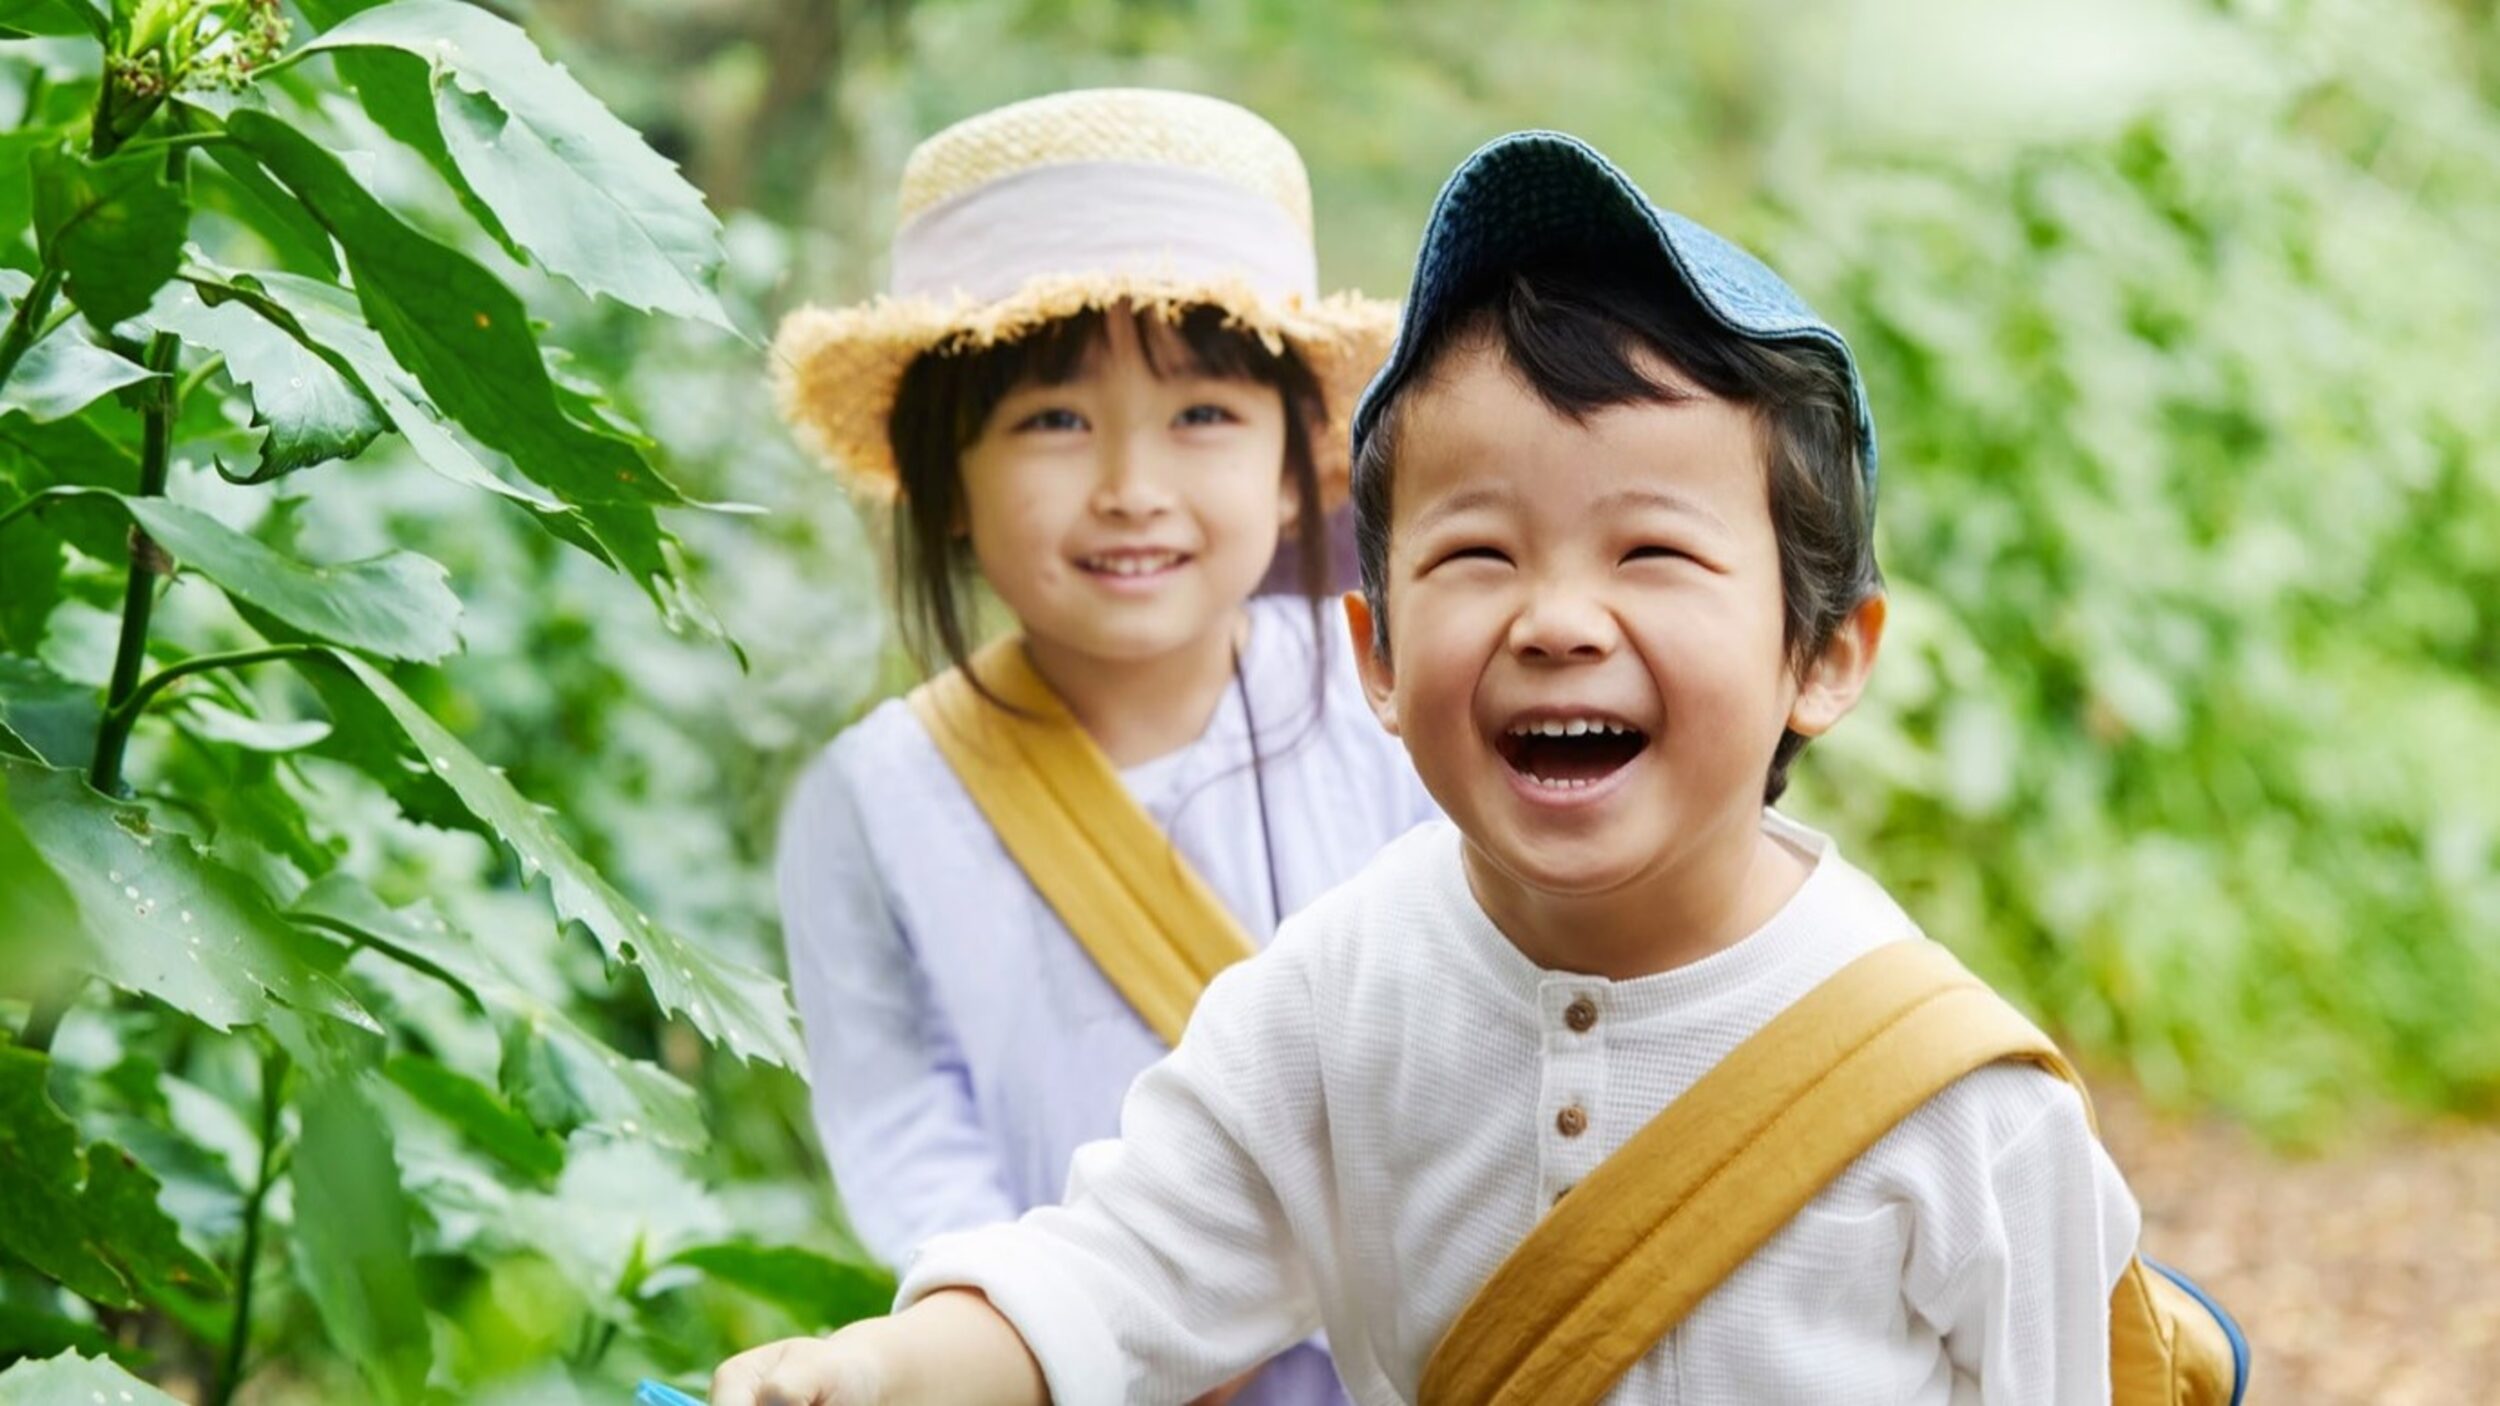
[949, 1349]
[835, 1371]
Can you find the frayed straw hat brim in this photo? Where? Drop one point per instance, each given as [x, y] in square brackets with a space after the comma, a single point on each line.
[836, 371]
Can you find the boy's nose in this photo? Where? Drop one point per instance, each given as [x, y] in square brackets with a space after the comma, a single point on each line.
[1564, 624]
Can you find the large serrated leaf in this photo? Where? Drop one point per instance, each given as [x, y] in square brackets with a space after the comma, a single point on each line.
[313, 412]
[562, 1076]
[114, 227]
[457, 327]
[352, 1241]
[730, 1004]
[86, 1217]
[70, 1378]
[625, 537]
[568, 182]
[162, 918]
[398, 605]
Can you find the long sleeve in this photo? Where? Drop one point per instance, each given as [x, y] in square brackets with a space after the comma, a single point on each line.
[2024, 1314]
[890, 1093]
[1172, 1266]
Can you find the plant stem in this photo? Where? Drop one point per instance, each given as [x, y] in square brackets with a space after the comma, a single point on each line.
[139, 596]
[30, 314]
[273, 1076]
[139, 698]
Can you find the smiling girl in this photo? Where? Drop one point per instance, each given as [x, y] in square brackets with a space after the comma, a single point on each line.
[1103, 386]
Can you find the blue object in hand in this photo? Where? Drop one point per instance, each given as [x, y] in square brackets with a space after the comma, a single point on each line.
[653, 1393]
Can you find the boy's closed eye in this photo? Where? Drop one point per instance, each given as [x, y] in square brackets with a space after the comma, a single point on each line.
[1473, 551]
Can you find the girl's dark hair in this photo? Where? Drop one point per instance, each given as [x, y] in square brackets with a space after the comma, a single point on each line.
[947, 396]
[1570, 332]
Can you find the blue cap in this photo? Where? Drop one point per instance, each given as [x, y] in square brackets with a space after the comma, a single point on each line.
[1531, 196]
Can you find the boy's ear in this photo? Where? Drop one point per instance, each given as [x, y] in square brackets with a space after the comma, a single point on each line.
[1834, 680]
[1370, 664]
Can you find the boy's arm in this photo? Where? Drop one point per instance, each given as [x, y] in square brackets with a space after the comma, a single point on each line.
[950, 1348]
[1173, 1265]
[1171, 1268]
[2042, 1235]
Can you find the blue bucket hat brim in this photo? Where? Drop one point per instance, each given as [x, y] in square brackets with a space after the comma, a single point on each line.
[1531, 197]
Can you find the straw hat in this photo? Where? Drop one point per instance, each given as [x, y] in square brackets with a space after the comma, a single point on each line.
[1042, 209]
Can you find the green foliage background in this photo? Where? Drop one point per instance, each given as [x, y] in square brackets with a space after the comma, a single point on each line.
[2181, 320]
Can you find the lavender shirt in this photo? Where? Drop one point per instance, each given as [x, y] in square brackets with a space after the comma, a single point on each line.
[962, 1045]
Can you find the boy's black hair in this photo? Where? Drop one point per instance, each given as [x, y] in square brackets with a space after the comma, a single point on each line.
[1570, 332]
[947, 396]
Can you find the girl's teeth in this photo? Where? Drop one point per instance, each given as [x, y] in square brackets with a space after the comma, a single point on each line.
[1132, 566]
[1559, 784]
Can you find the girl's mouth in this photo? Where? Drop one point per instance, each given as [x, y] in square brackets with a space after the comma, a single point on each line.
[1132, 565]
[1569, 752]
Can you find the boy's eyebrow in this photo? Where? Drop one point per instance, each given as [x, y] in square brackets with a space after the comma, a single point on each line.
[1652, 496]
[1466, 500]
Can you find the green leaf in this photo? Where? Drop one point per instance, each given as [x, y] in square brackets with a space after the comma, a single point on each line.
[86, 1218]
[50, 19]
[34, 457]
[352, 1242]
[313, 412]
[212, 722]
[397, 605]
[244, 190]
[57, 716]
[561, 1075]
[485, 1120]
[815, 1289]
[625, 537]
[327, 321]
[460, 330]
[115, 228]
[569, 182]
[28, 1331]
[30, 583]
[65, 373]
[75, 1379]
[730, 1004]
[162, 919]
[39, 920]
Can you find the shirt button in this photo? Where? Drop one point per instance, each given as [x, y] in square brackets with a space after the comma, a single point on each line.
[1580, 1015]
[1572, 1121]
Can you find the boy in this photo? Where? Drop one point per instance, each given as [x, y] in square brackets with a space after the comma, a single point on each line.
[1613, 495]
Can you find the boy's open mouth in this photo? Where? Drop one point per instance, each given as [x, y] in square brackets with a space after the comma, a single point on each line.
[1570, 753]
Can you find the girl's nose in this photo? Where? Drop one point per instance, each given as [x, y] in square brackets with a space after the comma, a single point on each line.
[1130, 483]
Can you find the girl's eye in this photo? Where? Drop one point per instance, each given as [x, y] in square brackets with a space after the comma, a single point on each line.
[1491, 554]
[1198, 415]
[1052, 420]
[1653, 553]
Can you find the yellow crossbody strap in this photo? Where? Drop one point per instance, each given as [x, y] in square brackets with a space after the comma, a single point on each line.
[1104, 866]
[1611, 1271]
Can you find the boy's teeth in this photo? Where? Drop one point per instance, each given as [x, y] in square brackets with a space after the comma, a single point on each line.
[1555, 783]
[1576, 727]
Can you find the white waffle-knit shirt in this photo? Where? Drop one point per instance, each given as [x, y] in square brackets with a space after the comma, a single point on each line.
[1362, 1121]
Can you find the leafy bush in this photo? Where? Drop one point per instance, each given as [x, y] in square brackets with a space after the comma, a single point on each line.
[297, 1059]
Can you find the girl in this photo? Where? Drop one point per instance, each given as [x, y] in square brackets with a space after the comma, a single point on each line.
[1103, 386]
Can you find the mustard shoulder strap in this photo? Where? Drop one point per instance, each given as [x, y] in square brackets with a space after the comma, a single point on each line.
[1622, 1260]
[1104, 866]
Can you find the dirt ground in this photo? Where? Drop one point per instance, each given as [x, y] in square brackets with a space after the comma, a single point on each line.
[2371, 1275]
